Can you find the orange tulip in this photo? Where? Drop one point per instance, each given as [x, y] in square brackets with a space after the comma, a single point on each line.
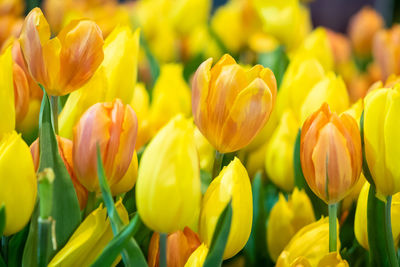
[180, 245]
[10, 26]
[21, 93]
[330, 154]
[66, 62]
[340, 46]
[113, 126]
[362, 28]
[65, 150]
[231, 105]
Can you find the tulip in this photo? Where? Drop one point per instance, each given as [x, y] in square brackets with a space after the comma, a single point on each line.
[198, 257]
[205, 151]
[128, 180]
[112, 126]
[10, 26]
[360, 227]
[330, 154]
[89, 240]
[381, 110]
[187, 14]
[231, 105]
[386, 50]
[171, 96]
[310, 244]
[18, 182]
[180, 245]
[140, 104]
[232, 183]
[331, 90]
[66, 62]
[279, 156]
[340, 46]
[29, 125]
[168, 196]
[7, 108]
[362, 28]
[333, 259]
[255, 160]
[286, 218]
[65, 151]
[21, 93]
[14, 7]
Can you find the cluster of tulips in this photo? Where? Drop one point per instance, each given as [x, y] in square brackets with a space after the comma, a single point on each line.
[170, 133]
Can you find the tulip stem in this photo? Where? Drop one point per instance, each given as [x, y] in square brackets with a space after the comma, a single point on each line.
[54, 107]
[91, 202]
[217, 163]
[388, 232]
[163, 250]
[332, 227]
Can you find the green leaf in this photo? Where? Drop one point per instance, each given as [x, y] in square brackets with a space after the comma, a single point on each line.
[220, 237]
[117, 244]
[2, 218]
[205, 178]
[277, 61]
[65, 210]
[2, 263]
[366, 171]
[131, 253]
[16, 247]
[154, 65]
[320, 208]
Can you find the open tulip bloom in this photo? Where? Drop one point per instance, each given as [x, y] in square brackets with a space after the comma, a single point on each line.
[193, 133]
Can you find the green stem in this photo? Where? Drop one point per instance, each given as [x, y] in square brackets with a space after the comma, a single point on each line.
[91, 202]
[332, 227]
[217, 163]
[163, 250]
[44, 242]
[388, 234]
[54, 108]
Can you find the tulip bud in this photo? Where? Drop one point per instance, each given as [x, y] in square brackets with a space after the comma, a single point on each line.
[360, 227]
[382, 150]
[386, 50]
[198, 257]
[310, 244]
[7, 108]
[180, 245]
[113, 126]
[231, 105]
[362, 28]
[232, 183]
[66, 62]
[65, 151]
[279, 157]
[90, 239]
[286, 218]
[18, 182]
[330, 154]
[168, 191]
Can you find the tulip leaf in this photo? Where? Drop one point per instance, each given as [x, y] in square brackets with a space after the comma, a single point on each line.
[365, 168]
[65, 206]
[2, 263]
[220, 238]
[131, 253]
[16, 247]
[117, 244]
[277, 61]
[2, 218]
[320, 208]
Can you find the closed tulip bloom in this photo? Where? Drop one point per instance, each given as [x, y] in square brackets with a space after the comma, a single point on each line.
[66, 62]
[362, 28]
[128, 180]
[231, 105]
[180, 245]
[113, 126]
[141, 105]
[309, 245]
[7, 108]
[65, 151]
[198, 257]
[381, 132]
[168, 194]
[18, 182]
[21, 93]
[233, 183]
[333, 259]
[89, 239]
[330, 154]
[286, 218]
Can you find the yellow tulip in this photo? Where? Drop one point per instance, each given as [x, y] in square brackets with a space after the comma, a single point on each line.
[171, 96]
[232, 183]
[140, 104]
[360, 226]
[286, 218]
[331, 90]
[333, 259]
[279, 157]
[381, 132]
[7, 107]
[128, 180]
[18, 182]
[89, 240]
[168, 194]
[187, 14]
[200, 41]
[310, 244]
[66, 62]
[230, 105]
[255, 159]
[198, 257]
[205, 150]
